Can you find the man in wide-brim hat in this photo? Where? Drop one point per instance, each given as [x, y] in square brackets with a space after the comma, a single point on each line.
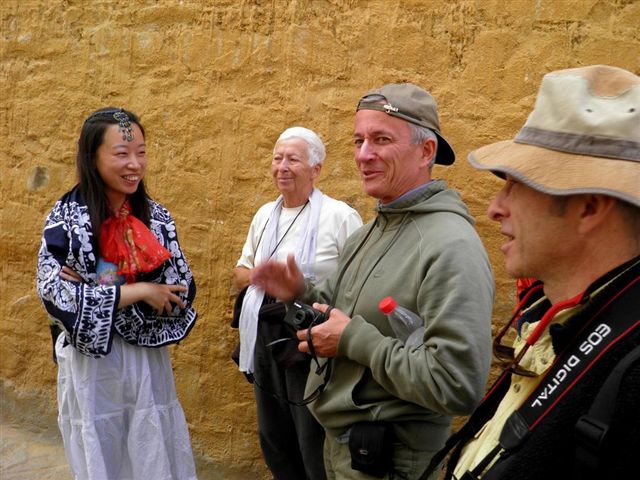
[570, 212]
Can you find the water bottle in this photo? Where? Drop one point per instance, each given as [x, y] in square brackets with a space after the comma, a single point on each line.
[407, 326]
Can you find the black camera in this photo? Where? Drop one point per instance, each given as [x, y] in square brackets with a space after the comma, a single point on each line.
[301, 316]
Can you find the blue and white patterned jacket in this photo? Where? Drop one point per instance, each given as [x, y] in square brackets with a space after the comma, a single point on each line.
[86, 311]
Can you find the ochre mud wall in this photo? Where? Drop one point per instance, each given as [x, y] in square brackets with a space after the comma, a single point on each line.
[215, 83]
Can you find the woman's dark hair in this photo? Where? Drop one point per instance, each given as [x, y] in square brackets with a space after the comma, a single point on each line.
[90, 183]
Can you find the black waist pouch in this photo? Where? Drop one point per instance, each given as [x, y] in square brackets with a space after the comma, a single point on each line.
[371, 447]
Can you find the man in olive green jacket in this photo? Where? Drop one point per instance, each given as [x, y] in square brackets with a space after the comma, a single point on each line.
[422, 250]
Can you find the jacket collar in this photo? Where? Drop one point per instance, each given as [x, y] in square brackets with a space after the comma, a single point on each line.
[413, 197]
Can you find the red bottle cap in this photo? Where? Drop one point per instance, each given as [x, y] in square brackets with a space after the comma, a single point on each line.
[387, 305]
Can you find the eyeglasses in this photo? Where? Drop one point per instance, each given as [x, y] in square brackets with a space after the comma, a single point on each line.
[505, 354]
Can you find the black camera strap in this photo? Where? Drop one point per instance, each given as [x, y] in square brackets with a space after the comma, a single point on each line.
[566, 371]
[603, 326]
[312, 350]
[599, 334]
[326, 366]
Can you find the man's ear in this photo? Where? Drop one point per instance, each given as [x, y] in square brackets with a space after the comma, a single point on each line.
[594, 210]
[428, 151]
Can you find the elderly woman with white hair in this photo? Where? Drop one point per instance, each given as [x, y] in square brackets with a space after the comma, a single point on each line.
[313, 227]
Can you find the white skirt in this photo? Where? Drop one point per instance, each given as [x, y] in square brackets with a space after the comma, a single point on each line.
[119, 415]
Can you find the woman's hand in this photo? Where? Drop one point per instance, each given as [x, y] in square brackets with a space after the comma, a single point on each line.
[159, 296]
[69, 274]
[241, 277]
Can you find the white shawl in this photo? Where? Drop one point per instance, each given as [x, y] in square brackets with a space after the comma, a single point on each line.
[305, 258]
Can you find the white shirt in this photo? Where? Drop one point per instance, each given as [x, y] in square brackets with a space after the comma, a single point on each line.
[337, 221]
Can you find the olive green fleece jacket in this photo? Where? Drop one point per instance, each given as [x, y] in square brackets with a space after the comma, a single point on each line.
[424, 251]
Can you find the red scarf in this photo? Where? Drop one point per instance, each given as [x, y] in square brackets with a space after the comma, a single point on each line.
[127, 242]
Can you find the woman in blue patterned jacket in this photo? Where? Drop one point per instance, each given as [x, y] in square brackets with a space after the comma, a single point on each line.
[114, 280]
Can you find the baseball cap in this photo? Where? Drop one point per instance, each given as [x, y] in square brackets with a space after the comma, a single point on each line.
[412, 104]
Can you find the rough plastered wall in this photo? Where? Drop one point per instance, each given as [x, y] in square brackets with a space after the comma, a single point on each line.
[215, 83]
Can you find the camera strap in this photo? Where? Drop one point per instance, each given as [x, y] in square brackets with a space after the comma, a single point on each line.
[603, 325]
[312, 350]
[326, 367]
[601, 332]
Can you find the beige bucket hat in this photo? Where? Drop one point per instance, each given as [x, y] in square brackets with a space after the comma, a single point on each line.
[583, 136]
